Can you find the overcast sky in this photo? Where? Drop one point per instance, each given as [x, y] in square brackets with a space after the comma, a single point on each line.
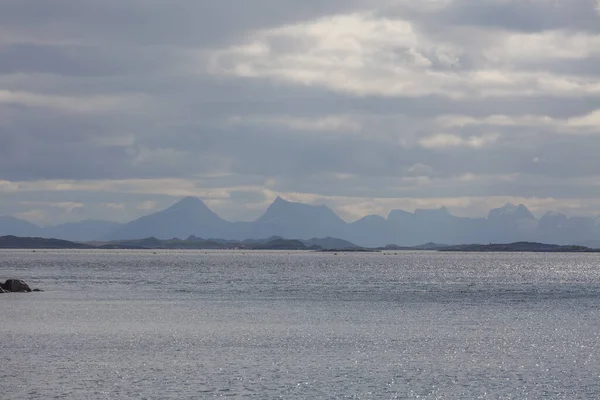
[117, 108]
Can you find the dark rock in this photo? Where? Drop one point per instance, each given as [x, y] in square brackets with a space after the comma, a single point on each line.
[2, 290]
[37, 290]
[16, 285]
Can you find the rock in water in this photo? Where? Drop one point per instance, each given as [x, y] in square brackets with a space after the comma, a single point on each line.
[16, 285]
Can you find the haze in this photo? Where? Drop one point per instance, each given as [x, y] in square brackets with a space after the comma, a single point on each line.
[116, 109]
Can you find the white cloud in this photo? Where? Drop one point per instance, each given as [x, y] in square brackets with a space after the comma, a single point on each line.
[420, 169]
[365, 55]
[453, 121]
[582, 124]
[332, 123]
[515, 48]
[591, 120]
[445, 140]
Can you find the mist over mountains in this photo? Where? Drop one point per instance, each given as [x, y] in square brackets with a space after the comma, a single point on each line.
[191, 216]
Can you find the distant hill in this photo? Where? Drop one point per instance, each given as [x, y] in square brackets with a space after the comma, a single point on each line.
[281, 244]
[519, 247]
[274, 243]
[329, 243]
[14, 242]
[431, 246]
[195, 243]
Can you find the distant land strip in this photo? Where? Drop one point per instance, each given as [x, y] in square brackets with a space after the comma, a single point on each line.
[277, 243]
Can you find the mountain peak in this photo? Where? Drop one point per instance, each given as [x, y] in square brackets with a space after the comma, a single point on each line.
[280, 204]
[189, 216]
[399, 215]
[511, 210]
[287, 218]
[280, 200]
[554, 214]
[523, 212]
[188, 204]
[190, 200]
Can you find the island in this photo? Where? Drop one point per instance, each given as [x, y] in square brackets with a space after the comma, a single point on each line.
[278, 243]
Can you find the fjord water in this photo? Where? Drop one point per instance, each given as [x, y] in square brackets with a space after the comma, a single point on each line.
[195, 324]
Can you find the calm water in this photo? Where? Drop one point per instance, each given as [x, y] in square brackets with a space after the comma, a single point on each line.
[300, 325]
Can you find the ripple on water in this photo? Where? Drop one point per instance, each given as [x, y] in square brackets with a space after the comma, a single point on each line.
[179, 325]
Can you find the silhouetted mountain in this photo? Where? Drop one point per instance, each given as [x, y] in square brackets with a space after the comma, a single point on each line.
[189, 216]
[83, 231]
[74, 231]
[288, 219]
[285, 219]
[579, 229]
[433, 225]
[552, 227]
[510, 223]
[510, 210]
[18, 227]
[370, 231]
[437, 225]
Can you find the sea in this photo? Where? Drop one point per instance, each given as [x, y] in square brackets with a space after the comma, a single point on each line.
[300, 325]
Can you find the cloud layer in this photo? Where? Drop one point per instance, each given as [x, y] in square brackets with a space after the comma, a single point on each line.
[117, 109]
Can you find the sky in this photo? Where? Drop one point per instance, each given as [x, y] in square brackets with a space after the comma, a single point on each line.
[116, 109]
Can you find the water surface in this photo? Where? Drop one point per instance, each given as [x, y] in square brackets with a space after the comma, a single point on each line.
[195, 324]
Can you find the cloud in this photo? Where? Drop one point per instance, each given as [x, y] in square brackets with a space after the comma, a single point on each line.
[579, 124]
[364, 54]
[449, 140]
[364, 105]
[91, 104]
[324, 124]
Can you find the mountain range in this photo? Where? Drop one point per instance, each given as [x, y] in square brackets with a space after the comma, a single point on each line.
[191, 217]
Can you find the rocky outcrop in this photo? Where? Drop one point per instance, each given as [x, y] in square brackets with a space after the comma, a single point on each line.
[15, 285]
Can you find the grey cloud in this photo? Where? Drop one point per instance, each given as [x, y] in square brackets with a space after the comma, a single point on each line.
[527, 16]
[86, 61]
[155, 22]
[515, 15]
[156, 51]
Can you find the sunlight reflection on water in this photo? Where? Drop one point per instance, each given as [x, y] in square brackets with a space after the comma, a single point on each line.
[300, 325]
